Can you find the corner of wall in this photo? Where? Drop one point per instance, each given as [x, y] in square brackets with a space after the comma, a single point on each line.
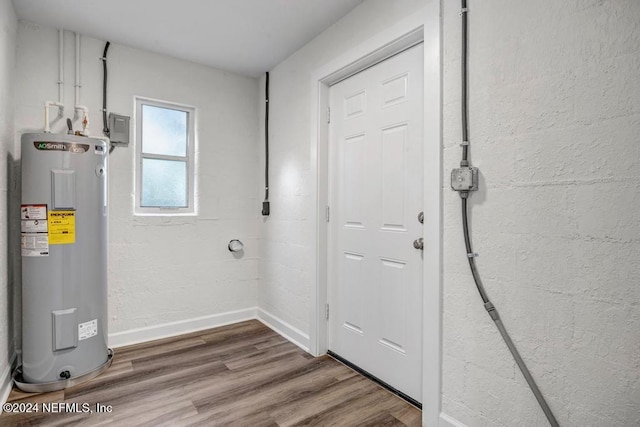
[283, 328]
[8, 36]
[6, 379]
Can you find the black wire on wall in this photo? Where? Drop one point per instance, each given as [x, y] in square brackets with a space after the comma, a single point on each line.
[265, 204]
[105, 126]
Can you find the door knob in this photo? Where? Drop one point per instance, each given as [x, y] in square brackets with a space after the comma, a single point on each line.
[419, 243]
[421, 217]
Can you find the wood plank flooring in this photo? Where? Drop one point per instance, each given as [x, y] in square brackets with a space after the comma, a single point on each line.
[239, 375]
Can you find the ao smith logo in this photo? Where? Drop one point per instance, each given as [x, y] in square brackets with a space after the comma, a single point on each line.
[61, 146]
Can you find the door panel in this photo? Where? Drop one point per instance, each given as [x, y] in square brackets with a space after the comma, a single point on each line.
[375, 273]
[354, 281]
[354, 180]
[393, 179]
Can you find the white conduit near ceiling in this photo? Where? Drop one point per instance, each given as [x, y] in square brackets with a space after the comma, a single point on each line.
[78, 107]
[59, 104]
[60, 65]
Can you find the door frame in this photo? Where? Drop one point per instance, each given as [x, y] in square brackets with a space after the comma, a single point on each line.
[423, 27]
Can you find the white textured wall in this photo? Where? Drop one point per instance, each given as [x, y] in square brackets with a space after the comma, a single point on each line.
[555, 118]
[162, 269]
[8, 26]
[554, 128]
[288, 235]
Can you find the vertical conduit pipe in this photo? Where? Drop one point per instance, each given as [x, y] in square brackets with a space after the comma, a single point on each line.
[77, 107]
[77, 85]
[105, 126]
[59, 104]
[266, 138]
[60, 65]
[488, 305]
[266, 210]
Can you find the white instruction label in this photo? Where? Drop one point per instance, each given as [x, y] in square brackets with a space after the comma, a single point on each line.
[33, 212]
[34, 244]
[34, 228]
[87, 329]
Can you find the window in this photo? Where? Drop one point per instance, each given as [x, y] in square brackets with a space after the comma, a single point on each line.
[165, 158]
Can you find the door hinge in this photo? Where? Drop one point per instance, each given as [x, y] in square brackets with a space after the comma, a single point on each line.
[328, 114]
[328, 214]
[326, 311]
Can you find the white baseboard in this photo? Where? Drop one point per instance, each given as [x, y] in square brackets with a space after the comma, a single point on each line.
[447, 421]
[291, 333]
[6, 380]
[136, 336]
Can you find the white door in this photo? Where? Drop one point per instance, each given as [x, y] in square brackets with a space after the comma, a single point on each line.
[375, 273]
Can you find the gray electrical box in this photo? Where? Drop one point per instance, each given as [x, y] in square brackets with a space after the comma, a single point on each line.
[119, 129]
[464, 179]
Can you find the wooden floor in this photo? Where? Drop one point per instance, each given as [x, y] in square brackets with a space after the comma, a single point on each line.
[242, 375]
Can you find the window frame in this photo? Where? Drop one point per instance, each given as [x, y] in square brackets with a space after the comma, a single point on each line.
[189, 159]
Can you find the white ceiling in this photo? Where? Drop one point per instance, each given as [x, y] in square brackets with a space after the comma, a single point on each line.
[244, 36]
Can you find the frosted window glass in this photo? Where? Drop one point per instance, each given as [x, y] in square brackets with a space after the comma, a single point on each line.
[164, 131]
[164, 183]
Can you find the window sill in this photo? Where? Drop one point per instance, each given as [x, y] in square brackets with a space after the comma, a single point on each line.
[164, 220]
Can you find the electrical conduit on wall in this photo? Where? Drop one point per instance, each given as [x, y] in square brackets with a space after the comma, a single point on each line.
[464, 180]
[77, 107]
[59, 104]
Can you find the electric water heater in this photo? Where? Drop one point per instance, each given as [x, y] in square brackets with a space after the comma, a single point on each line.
[64, 261]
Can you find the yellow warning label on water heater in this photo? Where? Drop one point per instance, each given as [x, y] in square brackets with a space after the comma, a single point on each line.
[62, 227]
